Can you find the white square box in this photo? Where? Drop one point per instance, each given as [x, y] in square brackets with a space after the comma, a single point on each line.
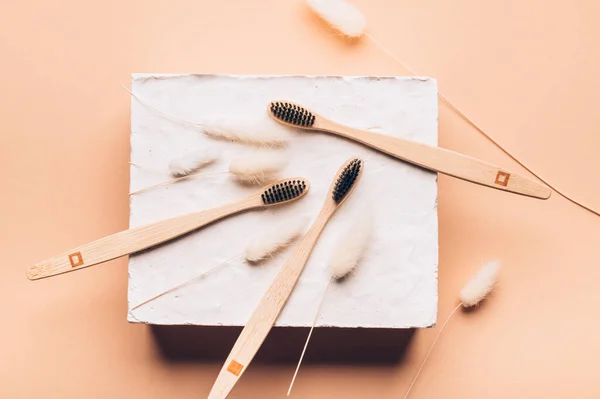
[395, 286]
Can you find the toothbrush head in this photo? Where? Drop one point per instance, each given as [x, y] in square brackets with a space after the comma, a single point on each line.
[346, 179]
[284, 191]
[291, 114]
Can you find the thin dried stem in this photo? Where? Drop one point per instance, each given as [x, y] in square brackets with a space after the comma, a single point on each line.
[431, 349]
[471, 122]
[196, 174]
[148, 167]
[144, 103]
[308, 338]
[198, 277]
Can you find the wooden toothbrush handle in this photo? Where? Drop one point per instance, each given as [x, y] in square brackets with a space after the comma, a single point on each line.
[267, 311]
[129, 241]
[443, 161]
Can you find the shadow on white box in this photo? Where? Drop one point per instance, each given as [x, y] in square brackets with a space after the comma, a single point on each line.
[394, 287]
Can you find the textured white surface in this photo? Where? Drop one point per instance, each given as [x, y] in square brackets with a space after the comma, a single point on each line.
[396, 284]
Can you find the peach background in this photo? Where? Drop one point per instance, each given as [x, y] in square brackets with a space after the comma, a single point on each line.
[525, 70]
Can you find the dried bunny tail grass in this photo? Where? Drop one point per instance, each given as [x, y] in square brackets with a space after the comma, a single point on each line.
[341, 15]
[275, 239]
[191, 162]
[351, 247]
[261, 130]
[345, 259]
[473, 292]
[258, 167]
[329, 10]
[254, 168]
[257, 131]
[480, 284]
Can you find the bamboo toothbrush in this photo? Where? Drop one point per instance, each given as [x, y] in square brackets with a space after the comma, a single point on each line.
[426, 156]
[271, 304]
[129, 241]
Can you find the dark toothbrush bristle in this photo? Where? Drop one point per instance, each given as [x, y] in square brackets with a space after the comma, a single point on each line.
[284, 191]
[292, 114]
[346, 180]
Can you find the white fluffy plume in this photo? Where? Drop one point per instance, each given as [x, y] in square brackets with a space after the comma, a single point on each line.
[275, 239]
[254, 131]
[480, 284]
[191, 162]
[351, 247]
[341, 15]
[258, 167]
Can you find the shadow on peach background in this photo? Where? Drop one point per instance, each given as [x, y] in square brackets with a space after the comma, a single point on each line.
[284, 344]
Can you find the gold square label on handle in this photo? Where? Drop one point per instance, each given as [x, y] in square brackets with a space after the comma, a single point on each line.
[502, 178]
[235, 368]
[76, 259]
